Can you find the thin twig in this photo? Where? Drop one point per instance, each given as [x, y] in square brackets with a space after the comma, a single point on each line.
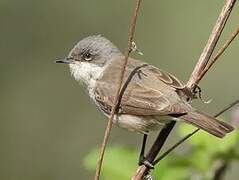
[114, 108]
[211, 44]
[218, 54]
[227, 108]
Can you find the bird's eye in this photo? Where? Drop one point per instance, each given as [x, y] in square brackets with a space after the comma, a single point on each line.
[87, 56]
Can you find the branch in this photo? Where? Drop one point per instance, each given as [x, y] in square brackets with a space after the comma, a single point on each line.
[116, 100]
[143, 170]
[211, 44]
[196, 75]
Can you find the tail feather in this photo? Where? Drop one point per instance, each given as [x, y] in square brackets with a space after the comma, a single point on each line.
[207, 123]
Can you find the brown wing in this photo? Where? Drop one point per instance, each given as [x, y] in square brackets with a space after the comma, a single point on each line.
[166, 77]
[150, 91]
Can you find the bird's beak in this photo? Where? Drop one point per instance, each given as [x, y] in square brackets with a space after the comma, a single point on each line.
[64, 60]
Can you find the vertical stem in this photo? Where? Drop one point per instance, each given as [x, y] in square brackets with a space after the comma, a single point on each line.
[116, 100]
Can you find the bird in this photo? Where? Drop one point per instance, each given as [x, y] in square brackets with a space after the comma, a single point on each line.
[152, 97]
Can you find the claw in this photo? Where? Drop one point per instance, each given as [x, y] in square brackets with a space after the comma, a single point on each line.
[198, 90]
[206, 101]
[147, 177]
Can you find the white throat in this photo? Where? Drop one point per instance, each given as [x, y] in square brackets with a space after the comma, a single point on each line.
[88, 73]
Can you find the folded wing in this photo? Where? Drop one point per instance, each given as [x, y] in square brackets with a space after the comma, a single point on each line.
[150, 91]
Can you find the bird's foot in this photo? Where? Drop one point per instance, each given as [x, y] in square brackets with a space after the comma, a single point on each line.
[147, 177]
[198, 92]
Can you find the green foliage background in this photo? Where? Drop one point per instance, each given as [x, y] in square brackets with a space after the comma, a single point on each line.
[200, 160]
[47, 123]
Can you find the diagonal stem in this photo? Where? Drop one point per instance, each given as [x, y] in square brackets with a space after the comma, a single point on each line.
[211, 44]
[219, 53]
[158, 144]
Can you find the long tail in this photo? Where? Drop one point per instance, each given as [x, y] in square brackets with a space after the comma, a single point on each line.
[207, 123]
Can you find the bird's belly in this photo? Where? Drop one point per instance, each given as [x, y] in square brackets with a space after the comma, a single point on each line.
[141, 124]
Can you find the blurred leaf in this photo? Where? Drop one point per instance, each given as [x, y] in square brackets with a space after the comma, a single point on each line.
[168, 169]
[206, 148]
[176, 173]
[119, 162]
[201, 160]
[161, 168]
[227, 143]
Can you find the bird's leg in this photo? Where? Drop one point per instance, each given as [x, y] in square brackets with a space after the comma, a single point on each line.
[197, 91]
[141, 155]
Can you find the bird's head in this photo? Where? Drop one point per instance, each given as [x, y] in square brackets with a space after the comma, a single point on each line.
[89, 57]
